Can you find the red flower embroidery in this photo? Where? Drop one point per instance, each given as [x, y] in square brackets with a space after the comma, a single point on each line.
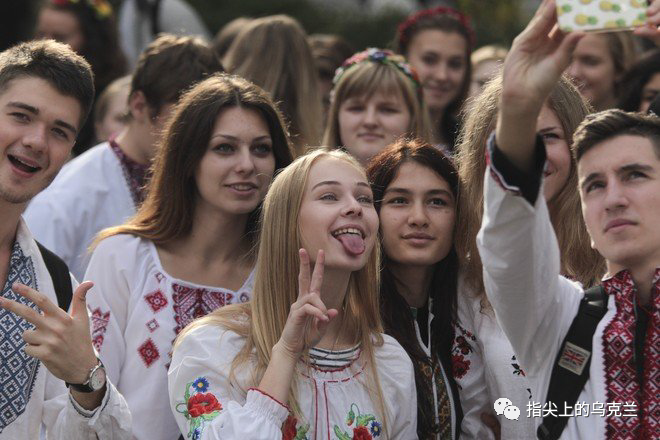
[289, 430]
[361, 433]
[460, 366]
[203, 403]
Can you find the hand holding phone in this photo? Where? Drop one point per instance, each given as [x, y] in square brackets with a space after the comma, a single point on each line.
[600, 15]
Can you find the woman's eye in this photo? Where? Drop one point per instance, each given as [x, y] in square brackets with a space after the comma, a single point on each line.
[390, 110]
[328, 196]
[635, 175]
[262, 149]
[397, 201]
[593, 186]
[455, 64]
[549, 135]
[365, 199]
[438, 202]
[223, 148]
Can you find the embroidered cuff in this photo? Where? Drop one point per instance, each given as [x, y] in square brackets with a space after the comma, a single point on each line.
[87, 413]
[266, 405]
[510, 177]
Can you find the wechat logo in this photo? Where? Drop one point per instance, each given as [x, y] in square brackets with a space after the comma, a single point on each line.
[506, 407]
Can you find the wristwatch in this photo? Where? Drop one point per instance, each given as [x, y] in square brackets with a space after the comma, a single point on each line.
[95, 380]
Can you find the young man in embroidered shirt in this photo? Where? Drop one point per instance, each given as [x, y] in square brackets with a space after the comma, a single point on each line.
[618, 158]
[46, 91]
[104, 186]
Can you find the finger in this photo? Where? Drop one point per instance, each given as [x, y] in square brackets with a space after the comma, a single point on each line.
[543, 21]
[310, 310]
[79, 301]
[314, 300]
[321, 326]
[653, 8]
[25, 312]
[564, 52]
[317, 276]
[34, 337]
[41, 301]
[303, 275]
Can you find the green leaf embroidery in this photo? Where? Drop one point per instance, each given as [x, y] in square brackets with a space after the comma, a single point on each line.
[365, 419]
[341, 435]
[301, 433]
[350, 418]
[210, 416]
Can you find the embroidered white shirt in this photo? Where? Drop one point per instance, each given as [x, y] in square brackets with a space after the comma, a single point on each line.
[138, 309]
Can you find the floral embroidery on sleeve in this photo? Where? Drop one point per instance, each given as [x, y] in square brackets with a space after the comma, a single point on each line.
[198, 406]
[291, 432]
[461, 348]
[365, 426]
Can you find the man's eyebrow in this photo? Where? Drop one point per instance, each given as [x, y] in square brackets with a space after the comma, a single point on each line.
[634, 167]
[590, 178]
[35, 111]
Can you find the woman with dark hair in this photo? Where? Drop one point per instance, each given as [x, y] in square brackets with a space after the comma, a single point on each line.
[89, 27]
[415, 190]
[641, 84]
[438, 42]
[189, 248]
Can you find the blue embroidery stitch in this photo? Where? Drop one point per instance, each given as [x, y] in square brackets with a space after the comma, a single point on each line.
[17, 370]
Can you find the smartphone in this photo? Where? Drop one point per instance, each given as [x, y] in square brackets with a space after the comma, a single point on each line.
[600, 15]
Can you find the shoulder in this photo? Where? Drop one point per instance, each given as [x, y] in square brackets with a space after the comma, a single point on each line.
[124, 250]
[209, 338]
[391, 358]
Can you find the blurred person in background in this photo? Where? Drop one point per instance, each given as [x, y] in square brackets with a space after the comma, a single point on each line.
[140, 22]
[329, 52]
[438, 42]
[486, 62]
[89, 27]
[598, 65]
[111, 109]
[376, 100]
[227, 34]
[641, 84]
[273, 53]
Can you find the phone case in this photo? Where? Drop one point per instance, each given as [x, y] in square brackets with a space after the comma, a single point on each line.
[600, 15]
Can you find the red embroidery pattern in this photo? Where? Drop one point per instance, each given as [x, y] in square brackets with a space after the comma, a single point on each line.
[620, 373]
[100, 322]
[460, 351]
[191, 303]
[152, 325]
[149, 352]
[156, 300]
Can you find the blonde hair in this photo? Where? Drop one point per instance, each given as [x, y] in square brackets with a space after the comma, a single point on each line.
[490, 52]
[578, 260]
[273, 53]
[276, 283]
[368, 78]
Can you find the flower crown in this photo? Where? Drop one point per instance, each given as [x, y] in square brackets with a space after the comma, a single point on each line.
[382, 56]
[102, 8]
[440, 10]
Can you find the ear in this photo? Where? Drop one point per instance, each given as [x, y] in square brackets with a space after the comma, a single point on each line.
[138, 106]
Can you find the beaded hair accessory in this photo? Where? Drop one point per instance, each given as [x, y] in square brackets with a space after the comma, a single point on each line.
[102, 8]
[382, 56]
[440, 10]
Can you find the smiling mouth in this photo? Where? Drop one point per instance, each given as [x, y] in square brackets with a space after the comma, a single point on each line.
[243, 186]
[352, 240]
[21, 165]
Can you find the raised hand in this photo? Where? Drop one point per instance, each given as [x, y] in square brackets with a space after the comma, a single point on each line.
[62, 342]
[308, 318]
[650, 30]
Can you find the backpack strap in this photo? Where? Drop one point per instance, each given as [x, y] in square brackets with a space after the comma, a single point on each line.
[571, 368]
[59, 274]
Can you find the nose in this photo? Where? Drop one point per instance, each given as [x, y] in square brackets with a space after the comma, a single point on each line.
[245, 162]
[615, 196]
[574, 70]
[370, 117]
[440, 71]
[36, 138]
[417, 215]
[352, 208]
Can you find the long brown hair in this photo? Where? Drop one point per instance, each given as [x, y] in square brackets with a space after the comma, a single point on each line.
[262, 320]
[578, 260]
[273, 53]
[168, 210]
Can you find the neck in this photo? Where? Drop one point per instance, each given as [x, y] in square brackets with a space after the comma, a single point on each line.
[333, 293]
[413, 283]
[135, 143]
[11, 214]
[437, 116]
[211, 228]
[607, 103]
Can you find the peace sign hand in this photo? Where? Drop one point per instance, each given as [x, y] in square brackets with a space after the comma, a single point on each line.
[308, 318]
[59, 340]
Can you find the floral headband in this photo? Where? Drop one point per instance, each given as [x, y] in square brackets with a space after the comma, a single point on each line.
[102, 8]
[440, 10]
[382, 56]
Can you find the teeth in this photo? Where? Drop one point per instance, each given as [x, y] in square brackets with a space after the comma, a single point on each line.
[347, 231]
[24, 163]
[242, 187]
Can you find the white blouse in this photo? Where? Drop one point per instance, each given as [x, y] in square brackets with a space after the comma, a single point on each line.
[335, 404]
[137, 311]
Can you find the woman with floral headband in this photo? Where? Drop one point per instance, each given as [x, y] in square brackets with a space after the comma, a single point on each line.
[376, 99]
[88, 26]
[438, 43]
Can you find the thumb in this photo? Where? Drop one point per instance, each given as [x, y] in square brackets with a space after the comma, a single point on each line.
[79, 301]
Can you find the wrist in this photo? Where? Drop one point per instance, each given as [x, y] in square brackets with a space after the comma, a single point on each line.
[282, 351]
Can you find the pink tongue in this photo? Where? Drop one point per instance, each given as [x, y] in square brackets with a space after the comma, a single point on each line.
[353, 243]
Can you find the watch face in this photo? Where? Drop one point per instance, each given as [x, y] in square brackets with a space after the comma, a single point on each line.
[97, 380]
